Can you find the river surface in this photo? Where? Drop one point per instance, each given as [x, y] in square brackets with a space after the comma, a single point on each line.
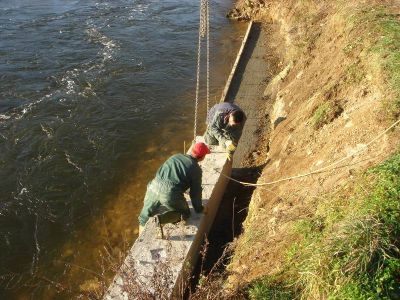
[94, 96]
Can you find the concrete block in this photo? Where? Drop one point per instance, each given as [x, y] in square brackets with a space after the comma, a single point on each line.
[175, 255]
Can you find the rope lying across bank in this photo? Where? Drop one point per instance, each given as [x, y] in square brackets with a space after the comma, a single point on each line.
[324, 169]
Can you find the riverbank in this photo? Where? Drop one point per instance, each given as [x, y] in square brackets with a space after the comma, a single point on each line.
[329, 102]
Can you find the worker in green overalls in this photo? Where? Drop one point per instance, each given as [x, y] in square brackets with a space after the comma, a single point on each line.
[164, 197]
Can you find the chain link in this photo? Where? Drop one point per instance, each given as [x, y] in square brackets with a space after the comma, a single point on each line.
[208, 55]
[203, 18]
[204, 28]
[198, 72]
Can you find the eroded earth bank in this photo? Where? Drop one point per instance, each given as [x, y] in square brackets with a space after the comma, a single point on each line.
[323, 219]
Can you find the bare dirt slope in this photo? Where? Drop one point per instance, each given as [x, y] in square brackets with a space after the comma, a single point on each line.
[331, 96]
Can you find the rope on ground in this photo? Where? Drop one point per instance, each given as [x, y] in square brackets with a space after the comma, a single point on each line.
[324, 169]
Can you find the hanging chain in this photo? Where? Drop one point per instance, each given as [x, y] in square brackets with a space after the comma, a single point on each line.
[208, 56]
[203, 31]
[198, 73]
[203, 18]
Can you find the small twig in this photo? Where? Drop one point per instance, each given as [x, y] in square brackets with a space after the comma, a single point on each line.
[79, 267]
[233, 218]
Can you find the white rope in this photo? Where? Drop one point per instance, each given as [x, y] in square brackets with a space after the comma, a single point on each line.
[321, 169]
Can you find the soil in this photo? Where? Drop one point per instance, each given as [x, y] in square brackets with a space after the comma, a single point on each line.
[306, 49]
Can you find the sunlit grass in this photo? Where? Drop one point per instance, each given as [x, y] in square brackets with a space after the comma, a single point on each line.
[350, 248]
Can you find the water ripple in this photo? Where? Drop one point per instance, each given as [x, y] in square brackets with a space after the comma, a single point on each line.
[85, 84]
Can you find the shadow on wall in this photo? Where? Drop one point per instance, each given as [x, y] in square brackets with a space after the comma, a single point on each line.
[230, 216]
[246, 56]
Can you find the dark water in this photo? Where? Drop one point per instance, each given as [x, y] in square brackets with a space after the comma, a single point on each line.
[94, 95]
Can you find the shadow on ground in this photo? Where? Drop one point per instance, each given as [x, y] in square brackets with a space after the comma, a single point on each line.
[228, 221]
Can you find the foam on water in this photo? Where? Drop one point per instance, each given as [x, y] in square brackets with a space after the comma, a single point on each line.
[75, 165]
[47, 130]
[109, 45]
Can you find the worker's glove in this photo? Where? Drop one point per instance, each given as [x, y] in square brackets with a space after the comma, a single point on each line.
[230, 146]
[229, 156]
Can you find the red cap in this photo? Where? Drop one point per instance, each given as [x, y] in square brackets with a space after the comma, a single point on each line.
[200, 150]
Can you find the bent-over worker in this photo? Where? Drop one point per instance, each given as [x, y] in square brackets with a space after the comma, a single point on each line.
[164, 197]
[224, 126]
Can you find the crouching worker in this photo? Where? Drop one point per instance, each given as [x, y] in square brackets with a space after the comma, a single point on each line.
[224, 126]
[164, 197]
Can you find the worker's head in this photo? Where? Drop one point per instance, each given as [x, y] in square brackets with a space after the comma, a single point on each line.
[199, 151]
[236, 117]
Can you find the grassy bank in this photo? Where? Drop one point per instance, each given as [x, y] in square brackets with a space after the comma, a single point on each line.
[387, 27]
[376, 32]
[349, 249]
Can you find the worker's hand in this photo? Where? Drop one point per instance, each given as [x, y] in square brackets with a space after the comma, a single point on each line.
[205, 209]
[229, 156]
[230, 146]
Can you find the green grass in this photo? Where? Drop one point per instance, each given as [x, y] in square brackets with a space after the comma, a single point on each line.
[325, 113]
[267, 288]
[381, 34]
[350, 248]
[389, 49]
[355, 73]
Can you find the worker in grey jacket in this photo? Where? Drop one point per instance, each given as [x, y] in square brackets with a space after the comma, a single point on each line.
[164, 197]
[224, 126]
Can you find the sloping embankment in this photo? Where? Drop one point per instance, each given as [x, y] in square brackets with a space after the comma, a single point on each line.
[336, 92]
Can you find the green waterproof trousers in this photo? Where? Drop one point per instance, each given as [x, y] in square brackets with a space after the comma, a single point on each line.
[165, 200]
[209, 138]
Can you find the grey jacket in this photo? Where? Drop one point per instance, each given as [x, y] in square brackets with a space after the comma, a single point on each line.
[217, 123]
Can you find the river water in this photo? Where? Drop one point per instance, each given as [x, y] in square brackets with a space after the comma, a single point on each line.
[94, 96]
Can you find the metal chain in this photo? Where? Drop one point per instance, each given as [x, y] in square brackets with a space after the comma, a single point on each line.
[203, 31]
[203, 17]
[208, 55]
[198, 73]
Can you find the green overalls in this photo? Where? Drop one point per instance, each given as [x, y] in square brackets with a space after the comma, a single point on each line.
[164, 195]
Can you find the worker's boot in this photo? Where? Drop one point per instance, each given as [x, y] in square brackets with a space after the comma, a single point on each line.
[158, 227]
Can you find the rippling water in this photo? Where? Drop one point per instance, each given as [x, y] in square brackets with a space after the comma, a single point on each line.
[94, 95]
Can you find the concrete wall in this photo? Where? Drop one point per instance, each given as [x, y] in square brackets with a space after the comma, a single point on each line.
[152, 261]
